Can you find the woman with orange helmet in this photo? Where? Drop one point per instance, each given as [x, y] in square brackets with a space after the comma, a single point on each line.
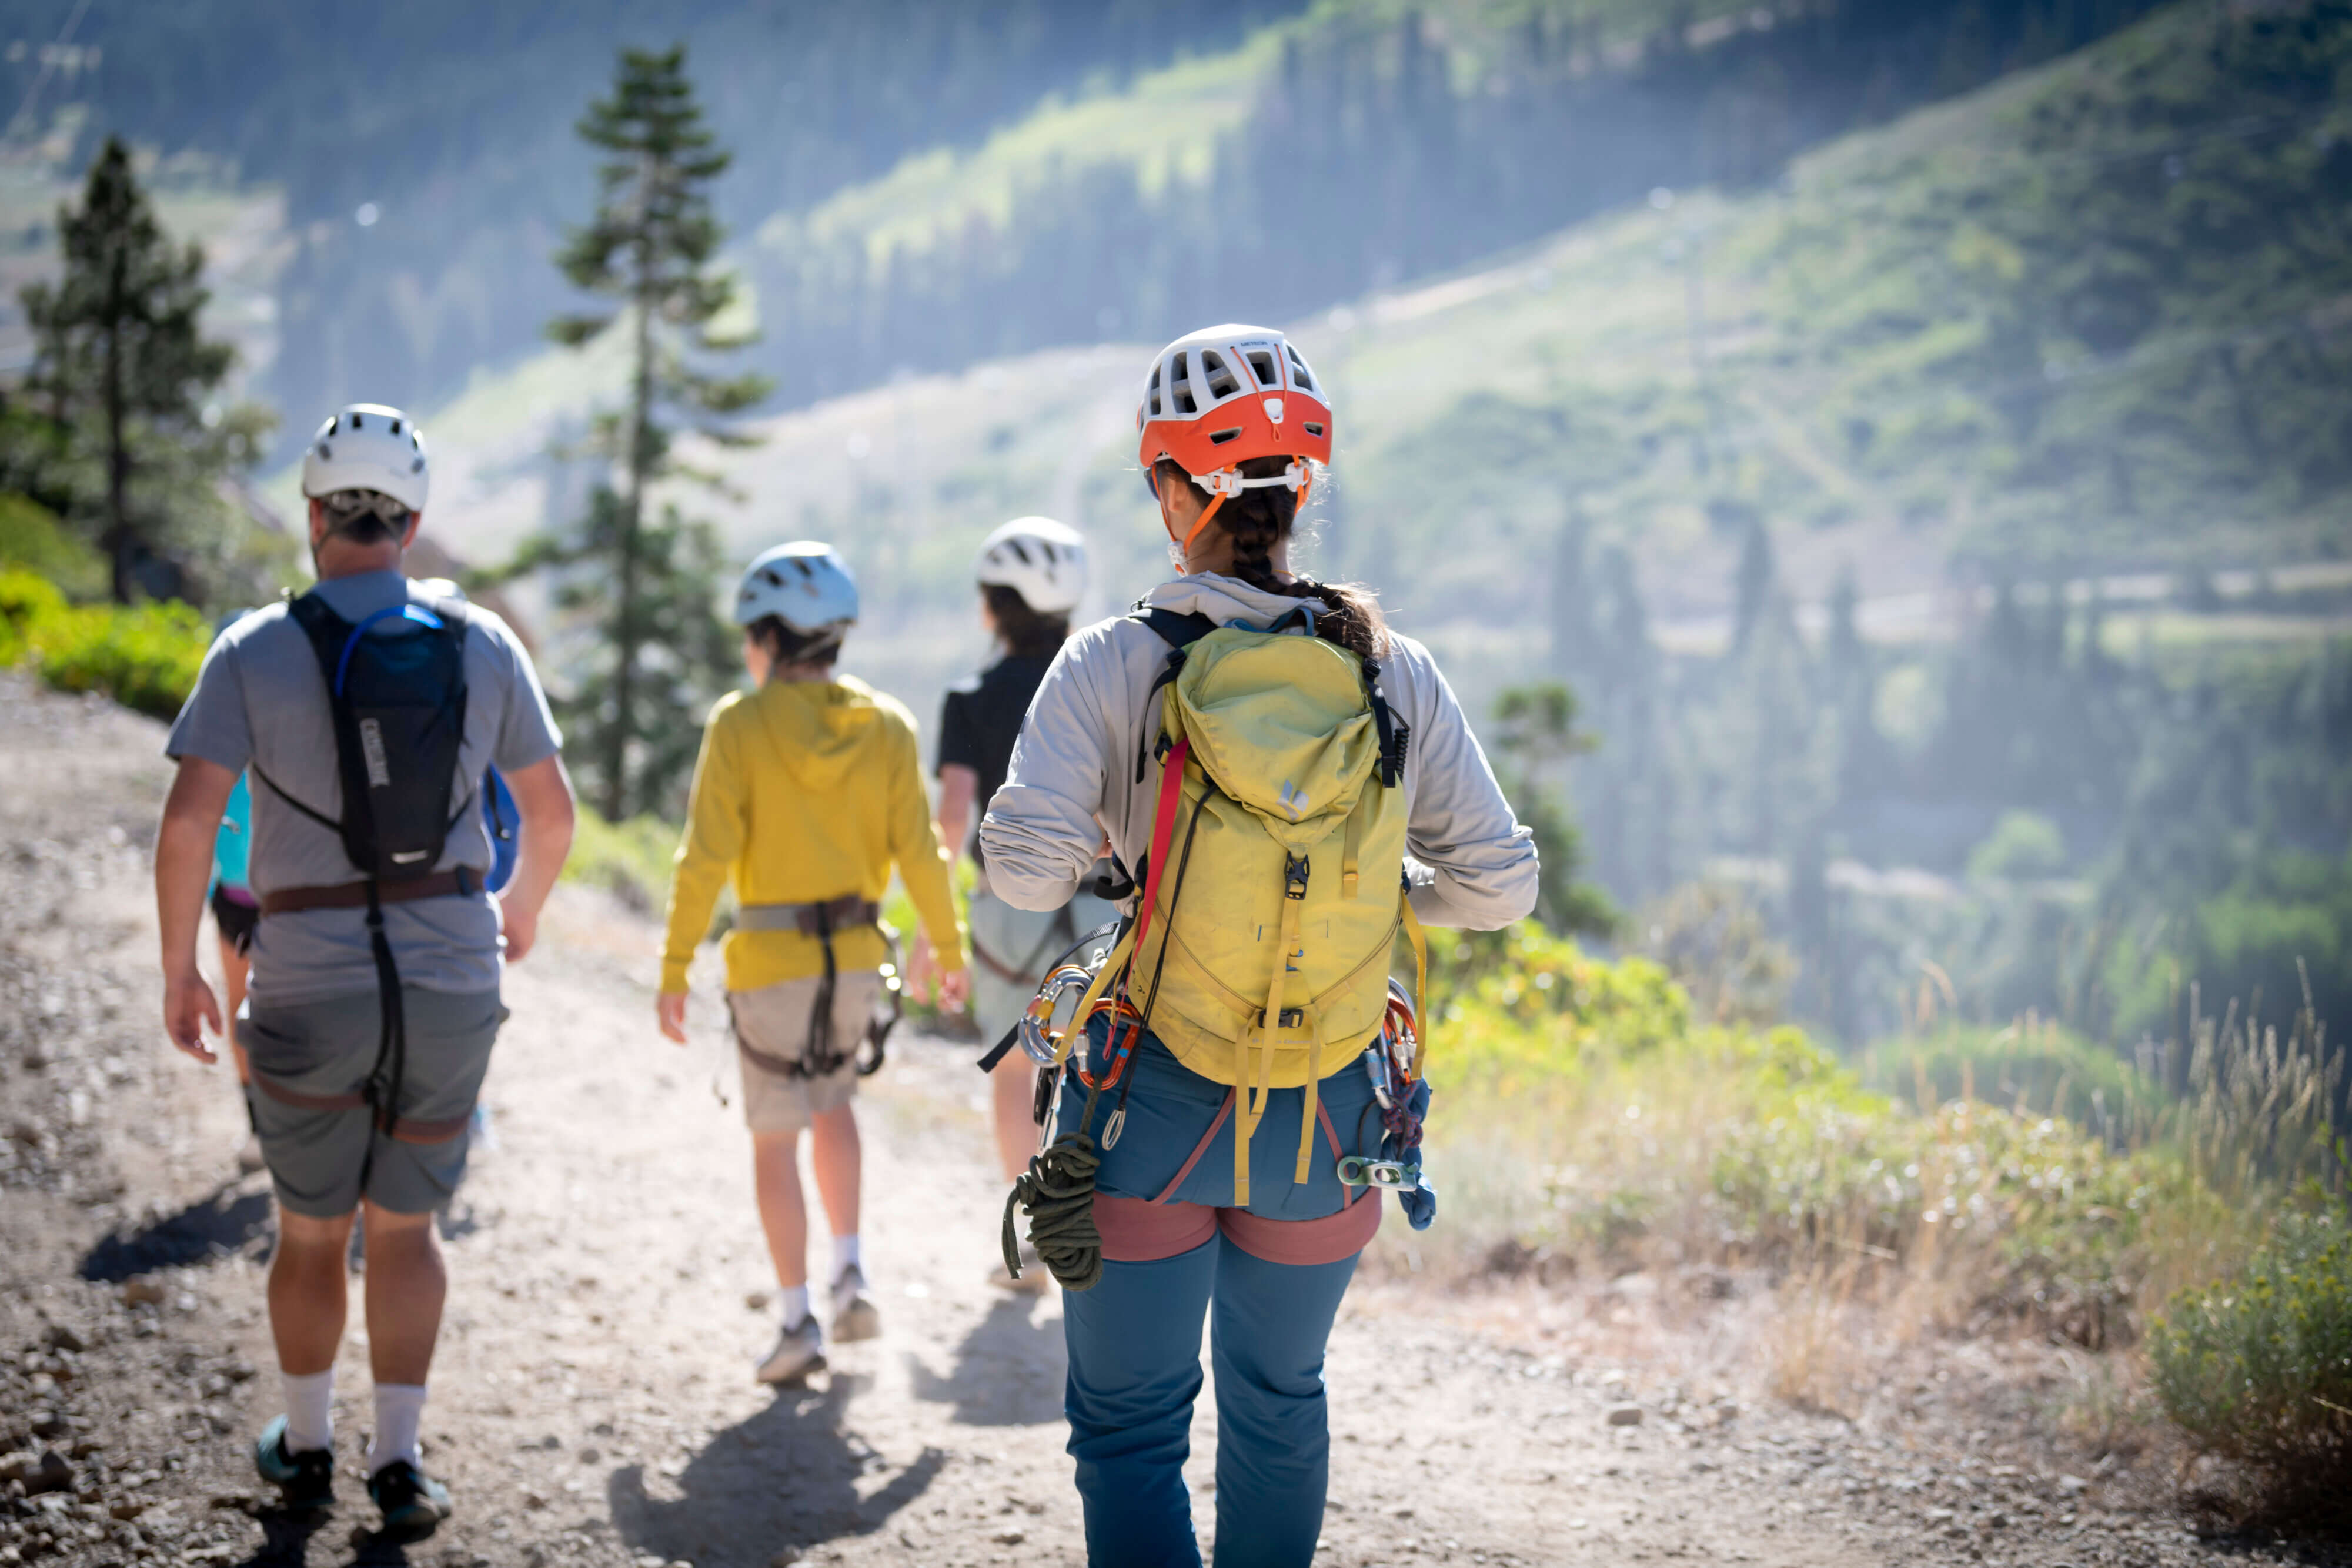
[1230, 1079]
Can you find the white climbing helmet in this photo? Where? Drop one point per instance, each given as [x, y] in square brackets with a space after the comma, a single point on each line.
[1041, 559]
[804, 584]
[367, 447]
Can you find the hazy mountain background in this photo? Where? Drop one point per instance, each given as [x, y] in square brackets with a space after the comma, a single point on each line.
[1917, 428]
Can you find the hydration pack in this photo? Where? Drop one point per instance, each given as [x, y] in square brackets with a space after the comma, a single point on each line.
[399, 706]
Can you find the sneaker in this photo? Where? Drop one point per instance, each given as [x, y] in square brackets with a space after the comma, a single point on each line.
[414, 1504]
[1035, 1279]
[799, 1350]
[854, 1316]
[305, 1481]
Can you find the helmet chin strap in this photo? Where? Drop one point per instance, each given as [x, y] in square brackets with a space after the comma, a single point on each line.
[1227, 482]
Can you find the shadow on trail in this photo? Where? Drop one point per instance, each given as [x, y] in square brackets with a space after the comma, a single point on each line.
[223, 1222]
[286, 1541]
[1009, 1370]
[785, 1478]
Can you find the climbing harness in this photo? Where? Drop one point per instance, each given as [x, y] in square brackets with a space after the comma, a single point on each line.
[1393, 1064]
[822, 1056]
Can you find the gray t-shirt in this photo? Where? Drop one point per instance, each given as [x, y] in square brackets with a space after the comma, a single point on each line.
[261, 701]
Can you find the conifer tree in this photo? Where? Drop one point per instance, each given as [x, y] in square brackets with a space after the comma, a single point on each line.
[650, 585]
[119, 361]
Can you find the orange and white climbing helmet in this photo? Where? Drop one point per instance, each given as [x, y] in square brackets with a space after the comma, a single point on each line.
[1219, 397]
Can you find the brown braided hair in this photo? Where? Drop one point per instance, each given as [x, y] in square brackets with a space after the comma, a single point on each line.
[1258, 519]
[1027, 634]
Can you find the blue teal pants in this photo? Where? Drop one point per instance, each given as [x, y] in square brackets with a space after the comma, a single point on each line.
[1269, 1280]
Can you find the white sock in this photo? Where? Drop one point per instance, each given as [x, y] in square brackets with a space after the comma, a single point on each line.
[310, 1411]
[845, 1255]
[399, 1410]
[794, 1298]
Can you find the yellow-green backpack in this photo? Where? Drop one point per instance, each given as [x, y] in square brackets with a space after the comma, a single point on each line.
[1274, 892]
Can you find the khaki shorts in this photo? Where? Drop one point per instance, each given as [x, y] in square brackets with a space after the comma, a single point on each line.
[774, 1021]
[1015, 937]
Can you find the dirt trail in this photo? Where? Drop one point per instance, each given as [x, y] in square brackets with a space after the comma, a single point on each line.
[592, 1402]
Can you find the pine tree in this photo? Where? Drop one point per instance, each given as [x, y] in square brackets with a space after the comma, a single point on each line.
[650, 588]
[1536, 737]
[120, 359]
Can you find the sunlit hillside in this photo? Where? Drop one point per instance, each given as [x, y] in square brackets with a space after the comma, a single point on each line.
[1910, 355]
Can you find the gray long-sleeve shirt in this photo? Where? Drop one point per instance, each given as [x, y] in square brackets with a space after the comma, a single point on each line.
[1072, 775]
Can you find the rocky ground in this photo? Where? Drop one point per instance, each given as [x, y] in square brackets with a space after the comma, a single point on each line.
[593, 1404]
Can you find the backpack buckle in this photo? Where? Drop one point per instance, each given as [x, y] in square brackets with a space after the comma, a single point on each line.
[1294, 875]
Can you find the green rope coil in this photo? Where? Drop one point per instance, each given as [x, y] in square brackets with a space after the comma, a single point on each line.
[1058, 1192]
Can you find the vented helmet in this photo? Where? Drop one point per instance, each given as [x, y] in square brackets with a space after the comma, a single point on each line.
[804, 584]
[1217, 398]
[1041, 559]
[367, 447]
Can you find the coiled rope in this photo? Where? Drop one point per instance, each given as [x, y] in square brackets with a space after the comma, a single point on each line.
[1058, 1192]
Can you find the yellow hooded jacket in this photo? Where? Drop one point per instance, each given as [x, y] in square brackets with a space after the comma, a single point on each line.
[806, 791]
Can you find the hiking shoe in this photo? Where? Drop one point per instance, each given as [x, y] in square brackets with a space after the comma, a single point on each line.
[855, 1317]
[414, 1504]
[305, 1481]
[1034, 1278]
[799, 1350]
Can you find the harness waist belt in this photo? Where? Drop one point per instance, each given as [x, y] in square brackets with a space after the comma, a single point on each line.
[355, 895]
[809, 919]
[407, 1130]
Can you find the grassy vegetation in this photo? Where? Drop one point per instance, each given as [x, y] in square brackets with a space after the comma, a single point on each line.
[630, 860]
[1586, 1123]
[145, 657]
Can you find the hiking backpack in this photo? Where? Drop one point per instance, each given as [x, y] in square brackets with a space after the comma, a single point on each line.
[1274, 892]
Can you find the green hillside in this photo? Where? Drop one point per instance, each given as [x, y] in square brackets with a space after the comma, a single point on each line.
[2079, 320]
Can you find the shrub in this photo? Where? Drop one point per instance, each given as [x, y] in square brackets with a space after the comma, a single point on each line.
[25, 599]
[145, 657]
[2029, 1067]
[631, 859]
[33, 540]
[2257, 1369]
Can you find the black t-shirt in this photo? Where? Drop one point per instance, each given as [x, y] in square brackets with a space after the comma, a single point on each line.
[980, 720]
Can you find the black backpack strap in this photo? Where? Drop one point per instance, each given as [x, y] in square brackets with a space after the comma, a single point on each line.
[1180, 632]
[1396, 735]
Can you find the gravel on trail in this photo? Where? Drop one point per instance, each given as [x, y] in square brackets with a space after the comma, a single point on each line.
[592, 1400]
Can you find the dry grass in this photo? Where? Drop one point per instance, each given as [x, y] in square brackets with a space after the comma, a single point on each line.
[1587, 1130]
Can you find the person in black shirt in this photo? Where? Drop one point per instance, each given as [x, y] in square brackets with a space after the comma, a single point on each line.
[1032, 573]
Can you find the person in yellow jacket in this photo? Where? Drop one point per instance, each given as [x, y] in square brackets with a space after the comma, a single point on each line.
[809, 790]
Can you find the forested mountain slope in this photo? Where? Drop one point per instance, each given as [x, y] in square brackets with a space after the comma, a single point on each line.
[2086, 319]
[452, 122]
[932, 184]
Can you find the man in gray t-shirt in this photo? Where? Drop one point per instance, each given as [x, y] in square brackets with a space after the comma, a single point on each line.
[360, 1096]
[261, 701]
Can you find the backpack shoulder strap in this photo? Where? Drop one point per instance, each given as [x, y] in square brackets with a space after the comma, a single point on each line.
[327, 632]
[1177, 630]
[1180, 632]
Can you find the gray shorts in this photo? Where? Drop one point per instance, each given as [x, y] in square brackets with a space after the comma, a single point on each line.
[1024, 941]
[774, 1021]
[317, 1051]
